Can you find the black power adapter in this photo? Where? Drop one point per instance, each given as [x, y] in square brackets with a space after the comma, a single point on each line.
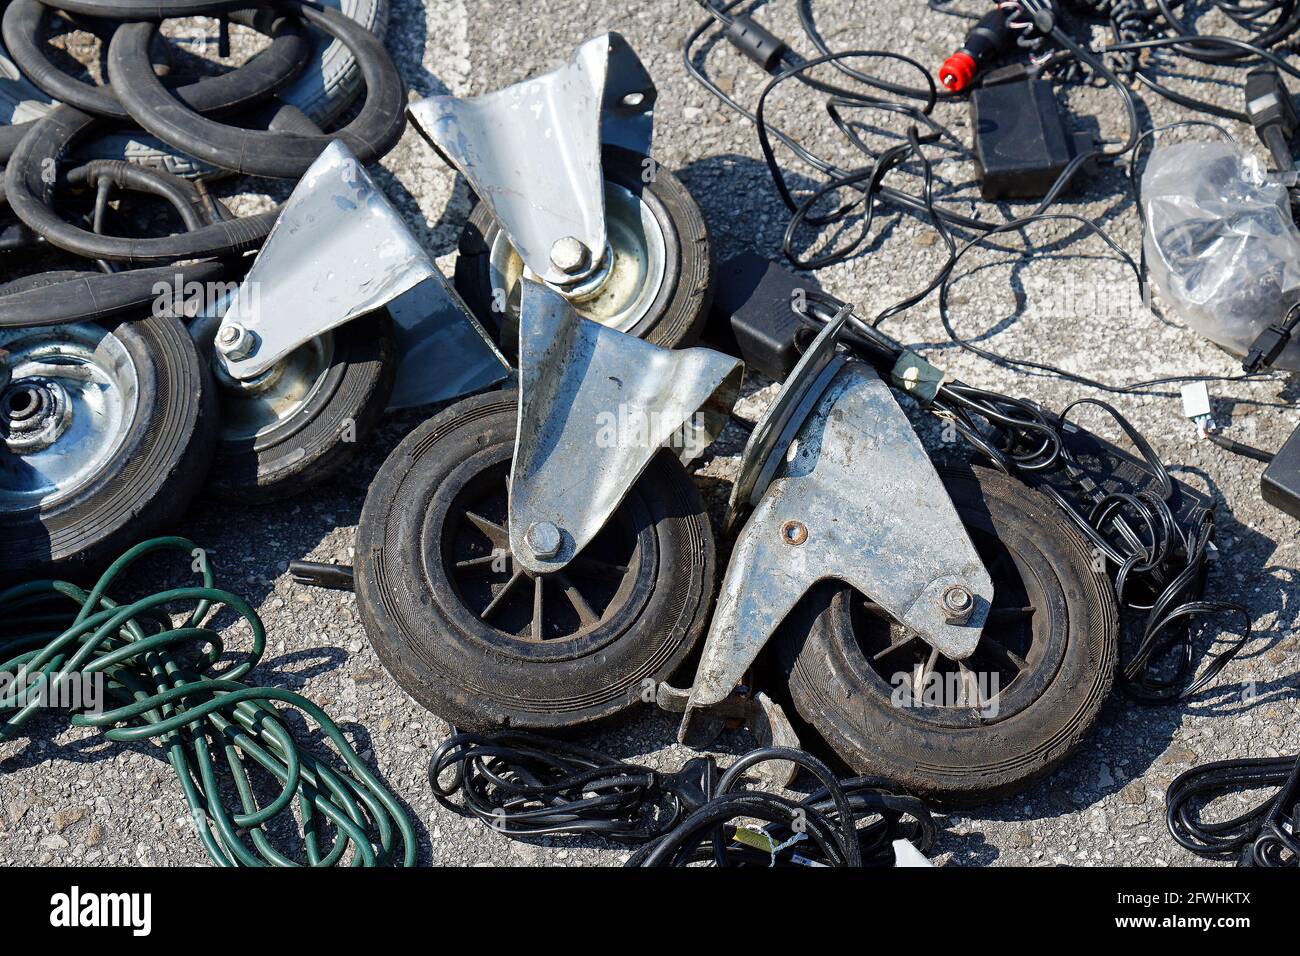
[753, 316]
[1281, 481]
[1021, 143]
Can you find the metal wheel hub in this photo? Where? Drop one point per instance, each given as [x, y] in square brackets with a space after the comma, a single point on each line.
[33, 414]
[254, 407]
[624, 284]
[70, 402]
[516, 610]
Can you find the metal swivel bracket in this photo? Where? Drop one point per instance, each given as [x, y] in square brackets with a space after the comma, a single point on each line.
[842, 488]
[532, 151]
[338, 251]
[595, 406]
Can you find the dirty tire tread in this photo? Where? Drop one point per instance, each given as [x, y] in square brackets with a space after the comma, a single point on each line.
[962, 766]
[439, 662]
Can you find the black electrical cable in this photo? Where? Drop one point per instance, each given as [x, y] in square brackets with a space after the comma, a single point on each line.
[524, 785]
[1158, 564]
[1239, 448]
[795, 67]
[1266, 835]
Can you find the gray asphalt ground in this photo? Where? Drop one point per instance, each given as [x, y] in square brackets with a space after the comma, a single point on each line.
[67, 797]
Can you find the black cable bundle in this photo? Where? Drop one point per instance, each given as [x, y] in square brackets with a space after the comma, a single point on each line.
[1267, 835]
[525, 785]
[1158, 563]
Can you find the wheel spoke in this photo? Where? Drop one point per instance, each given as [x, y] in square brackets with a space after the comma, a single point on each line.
[598, 568]
[907, 639]
[1009, 615]
[495, 533]
[970, 687]
[918, 689]
[537, 631]
[586, 615]
[501, 595]
[474, 564]
[1003, 654]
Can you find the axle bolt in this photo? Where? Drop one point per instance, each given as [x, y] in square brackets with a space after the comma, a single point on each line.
[543, 539]
[957, 604]
[570, 256]
[235, 342]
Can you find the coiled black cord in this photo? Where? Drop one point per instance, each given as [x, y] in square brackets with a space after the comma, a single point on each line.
[1265, 835]
[524, 785]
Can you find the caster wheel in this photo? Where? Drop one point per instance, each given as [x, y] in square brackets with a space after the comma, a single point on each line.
[659, 284]
[969, 731]
[106, 433]
[296, 424]
[485, 644]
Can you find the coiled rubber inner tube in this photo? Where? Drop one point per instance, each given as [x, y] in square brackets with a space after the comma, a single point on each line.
[181, 195]
[274, 154]
[54, 298]
[28, 195]
[24, 27]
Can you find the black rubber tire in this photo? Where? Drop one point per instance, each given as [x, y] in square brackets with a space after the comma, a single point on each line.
[321, 437]
[151, 9]
[836, 690]
[472, 674]
[150, 481]
[376, 128]
[682, 306]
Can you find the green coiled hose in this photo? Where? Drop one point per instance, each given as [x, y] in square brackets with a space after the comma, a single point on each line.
[158, 684]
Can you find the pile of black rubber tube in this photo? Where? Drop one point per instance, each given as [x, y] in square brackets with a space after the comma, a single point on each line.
[107, 197]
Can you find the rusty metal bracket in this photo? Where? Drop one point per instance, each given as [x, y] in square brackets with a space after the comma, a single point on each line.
[595, 406]
[339, 251]
[842, 488]
[532, 151]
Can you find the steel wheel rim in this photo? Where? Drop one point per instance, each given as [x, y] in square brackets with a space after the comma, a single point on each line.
[638, 263]
[95, 387]
[253, 409]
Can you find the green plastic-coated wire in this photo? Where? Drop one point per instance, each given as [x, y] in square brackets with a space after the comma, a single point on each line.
[158, 684]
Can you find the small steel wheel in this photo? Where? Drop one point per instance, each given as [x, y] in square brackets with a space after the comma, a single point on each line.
[482, 642]
[965, 731]
[106, 433]
[655, 281]
[297, 423]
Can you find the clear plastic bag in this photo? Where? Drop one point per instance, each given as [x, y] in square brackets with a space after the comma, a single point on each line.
[1222, 249]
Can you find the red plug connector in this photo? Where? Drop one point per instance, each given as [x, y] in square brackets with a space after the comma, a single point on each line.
[957, 71]
[990, 37]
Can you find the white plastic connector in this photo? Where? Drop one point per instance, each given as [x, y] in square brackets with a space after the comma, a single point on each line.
[1196, 400]
[1196, 406]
